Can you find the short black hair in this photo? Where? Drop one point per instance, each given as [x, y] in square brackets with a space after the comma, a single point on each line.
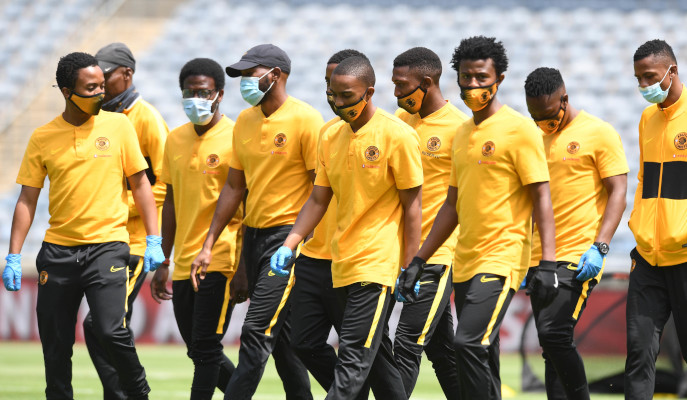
[68, 68]
[656, 47]
[421, 59]
[202, 67]
[543, 81]
[481, 48]
[358, 67]
[344, 54]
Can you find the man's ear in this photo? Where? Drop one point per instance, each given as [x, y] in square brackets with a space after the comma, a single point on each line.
[66, 92]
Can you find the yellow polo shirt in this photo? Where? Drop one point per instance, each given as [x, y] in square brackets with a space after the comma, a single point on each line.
[436, 133]
[197, 168]
[580, 156]
[366, 170]
[320, 245]
[492, 164]
[86, 166]
[276, 153]
[152, 132]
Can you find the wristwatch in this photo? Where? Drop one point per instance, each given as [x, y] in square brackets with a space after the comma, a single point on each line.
[603, 247]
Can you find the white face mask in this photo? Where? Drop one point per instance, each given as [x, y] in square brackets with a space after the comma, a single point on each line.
[250, 88]
[654, 93]
[199, 110]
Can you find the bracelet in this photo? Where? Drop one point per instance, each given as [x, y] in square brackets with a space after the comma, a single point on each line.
[166, 262]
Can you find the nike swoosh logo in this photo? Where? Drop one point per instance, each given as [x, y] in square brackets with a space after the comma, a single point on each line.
[570, 267]
[178, 157]
[333, 154]
[113, 269]
[484, 279]
[52, 152]
[364, 283]
[425, 282]
[270, 273]
[246, 141]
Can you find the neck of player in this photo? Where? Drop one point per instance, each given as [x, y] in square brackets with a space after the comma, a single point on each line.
[434, 100]
[486, 112]
[364, 117]
[201, 129]
[273, 99]
[674, 93]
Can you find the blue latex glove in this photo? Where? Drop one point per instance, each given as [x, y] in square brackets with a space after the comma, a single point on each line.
[11, 277]
[280, 260]
[523, 285]
[397, 294]
[590, 264]
[153, 256]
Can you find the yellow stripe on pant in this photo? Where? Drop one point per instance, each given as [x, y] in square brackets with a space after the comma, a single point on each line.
[225, 307]
[585, 291]
[435, 304]
[282, 303]
[375, 320]
[497, 311]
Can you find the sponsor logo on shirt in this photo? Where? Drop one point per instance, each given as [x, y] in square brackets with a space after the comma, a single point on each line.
[488, 148]
[681, 141]
[43, 278]
[372, 153]
[102, 143]
[212, 161]
[434, 143]
[573, 147]
[428, 154]
[280, 140]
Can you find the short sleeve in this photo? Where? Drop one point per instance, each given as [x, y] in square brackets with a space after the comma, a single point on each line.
[165, 175]
[321, 178]
[528, 155]
[32, 171]
[132, 158]
[311, 129]
[405, 160]
[235, 162]
[610, 156]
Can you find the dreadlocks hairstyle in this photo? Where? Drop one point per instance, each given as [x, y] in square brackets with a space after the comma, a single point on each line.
[481, 48]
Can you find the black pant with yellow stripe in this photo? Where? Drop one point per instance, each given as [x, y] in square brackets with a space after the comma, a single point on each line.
[365, 350]
[427, 324]
[66, 274]
[654, 293]
[564, 374]
[112, 390]
[266, 328]
[202, 318]
[481, 304]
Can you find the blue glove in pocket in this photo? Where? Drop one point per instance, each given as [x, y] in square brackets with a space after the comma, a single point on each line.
[280, 260]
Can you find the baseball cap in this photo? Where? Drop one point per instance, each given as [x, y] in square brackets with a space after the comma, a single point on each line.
[114, 55]
[268, 55]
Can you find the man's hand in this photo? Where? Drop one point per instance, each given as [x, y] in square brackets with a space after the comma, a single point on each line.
[544, 282]
[408, 279]
[11, 277]
[202, 261]
[397, 295]
[153, 256]
[590, 264]
[238, 287]
[280, 261]
[158, 285]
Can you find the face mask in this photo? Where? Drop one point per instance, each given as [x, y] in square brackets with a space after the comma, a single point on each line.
[330, 100]
[250, 88]
[88, 104]
[412, 102]
[199, 110]
[654, 93]
[550, 126]
[479, 97]
[352, 112]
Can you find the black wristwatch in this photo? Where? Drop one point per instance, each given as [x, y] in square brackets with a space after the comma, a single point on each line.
[603, 247]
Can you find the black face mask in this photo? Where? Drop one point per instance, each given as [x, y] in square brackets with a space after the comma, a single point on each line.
[88, 104]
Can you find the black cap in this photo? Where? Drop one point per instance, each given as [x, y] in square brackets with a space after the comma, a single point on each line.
[114, 55]
[267, 55]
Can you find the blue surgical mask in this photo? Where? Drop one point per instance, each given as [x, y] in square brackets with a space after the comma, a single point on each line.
[654, 93]
[199, 110]
[250, 88]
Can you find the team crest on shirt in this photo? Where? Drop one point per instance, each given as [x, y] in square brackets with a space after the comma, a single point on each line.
[372, 153]
[102, 143]
[43, 277]
[573, 147]
[280, 140]
[681, 141]
[212, 161]
[488, 148]
[434, 143]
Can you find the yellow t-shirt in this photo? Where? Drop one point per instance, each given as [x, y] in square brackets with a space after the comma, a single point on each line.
[436, 133]
[320, 245]
[197, 167]
[276, 153]
[86, 166]
[152, 132]
[492, 164]
[580, 156]
[365, 170]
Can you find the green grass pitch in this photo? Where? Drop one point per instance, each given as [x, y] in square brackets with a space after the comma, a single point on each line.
[170, 371]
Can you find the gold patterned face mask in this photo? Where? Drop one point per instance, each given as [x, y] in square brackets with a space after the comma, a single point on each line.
[352, 112]
[413, 101]
[88, 104]
[479, 97]
[551, 125]
[330, 101]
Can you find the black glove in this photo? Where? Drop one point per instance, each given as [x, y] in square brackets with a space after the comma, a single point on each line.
[408, 278]
[544, 283]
